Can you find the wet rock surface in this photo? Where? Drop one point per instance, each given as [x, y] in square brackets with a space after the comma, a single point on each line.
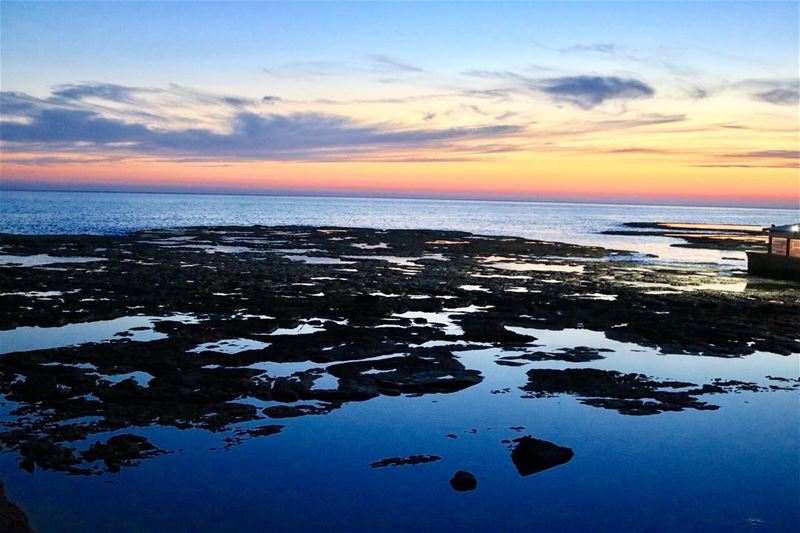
[226, 329]
[531, 455]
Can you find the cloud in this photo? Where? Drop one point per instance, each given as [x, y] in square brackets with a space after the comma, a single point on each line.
[777, 92]
[245, 136]
[506, 115]
[58, 160]
[603, 48]
[103, 91]
[742, 165]
[648, 119]
[768, 154]
[697, 92]
[582, 91]
[501, 94]
[508, 75]
[390, 64]
[650, 151]
[366, 65]
[71, 126]
[587, 92]
[764, 159]
[758, 159]
[270, 99]
[779, 96]
[17, 104]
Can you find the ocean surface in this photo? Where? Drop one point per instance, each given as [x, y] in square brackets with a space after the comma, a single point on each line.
[728, 470]
[32, 212]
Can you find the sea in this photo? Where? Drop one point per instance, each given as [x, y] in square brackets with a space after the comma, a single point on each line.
[36, 212]
[732, 469]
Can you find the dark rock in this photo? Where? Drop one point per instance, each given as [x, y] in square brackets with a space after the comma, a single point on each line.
[403, 461]
[12, 518]
[121, 450]
[630, 394]
[578, 354]
[292, 411]
[265, 431]
[463, 481]
[533, 455]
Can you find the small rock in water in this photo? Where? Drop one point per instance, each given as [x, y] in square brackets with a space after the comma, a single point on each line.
[533, 455]
[463, 481]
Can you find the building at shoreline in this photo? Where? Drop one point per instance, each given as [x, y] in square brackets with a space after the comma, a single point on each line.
[782, 259]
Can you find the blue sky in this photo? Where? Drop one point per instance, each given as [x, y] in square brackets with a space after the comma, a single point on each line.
[585, 99]
[227, 44]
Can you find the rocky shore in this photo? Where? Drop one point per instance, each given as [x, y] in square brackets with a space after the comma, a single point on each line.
[215, 327]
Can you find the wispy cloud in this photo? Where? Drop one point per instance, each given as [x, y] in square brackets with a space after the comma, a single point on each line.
[779, 96]
[768, 154]
[587, 92]
[777, 92]
[583, 91]
[371, 64]
[602, 48]
[246, 135]
[391, 64]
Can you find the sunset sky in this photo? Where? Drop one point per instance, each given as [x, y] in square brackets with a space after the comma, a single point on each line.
[690, 103]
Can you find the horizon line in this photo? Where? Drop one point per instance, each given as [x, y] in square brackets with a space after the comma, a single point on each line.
[384, 196]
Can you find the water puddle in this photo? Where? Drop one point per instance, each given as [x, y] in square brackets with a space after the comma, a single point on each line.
[406, 262]
[42, 259]
[230, 346]
[631, 357]
[134, 328]
[217, 248]
[477, 288]
[594, 296]
[362, 246]
[536, 267]
[41, 294]
[316, 260]
[141, 378]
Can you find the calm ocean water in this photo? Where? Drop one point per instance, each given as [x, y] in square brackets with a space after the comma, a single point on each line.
[110, 213]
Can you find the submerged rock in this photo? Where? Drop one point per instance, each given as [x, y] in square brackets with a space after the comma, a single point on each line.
[463, 481]
[533, 455]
